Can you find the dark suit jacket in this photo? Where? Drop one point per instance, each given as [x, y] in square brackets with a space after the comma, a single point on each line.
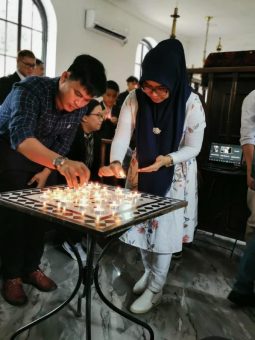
[6, 85]
[108, 128]
[121, 97]
[78, 150]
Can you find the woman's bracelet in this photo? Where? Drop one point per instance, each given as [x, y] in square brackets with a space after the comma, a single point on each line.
[170, 162]
[115, 162]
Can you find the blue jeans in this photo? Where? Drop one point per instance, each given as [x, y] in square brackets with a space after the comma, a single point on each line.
[246, 274]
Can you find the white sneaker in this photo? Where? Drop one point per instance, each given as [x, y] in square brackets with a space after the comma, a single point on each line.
[141, 284]
[79, 248]
[146, 302]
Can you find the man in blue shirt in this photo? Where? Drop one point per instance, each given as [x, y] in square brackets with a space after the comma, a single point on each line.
[38, 121]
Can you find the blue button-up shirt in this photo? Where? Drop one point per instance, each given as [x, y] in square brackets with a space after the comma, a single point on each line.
[30, 111]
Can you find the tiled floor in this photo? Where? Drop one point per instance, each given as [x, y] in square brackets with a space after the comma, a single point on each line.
[194, 302]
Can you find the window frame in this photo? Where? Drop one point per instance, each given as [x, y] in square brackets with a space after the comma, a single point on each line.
[19, 24]
[144, 43]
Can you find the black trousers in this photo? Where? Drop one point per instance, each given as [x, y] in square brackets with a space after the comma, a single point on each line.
[21, 235]
[21, 245]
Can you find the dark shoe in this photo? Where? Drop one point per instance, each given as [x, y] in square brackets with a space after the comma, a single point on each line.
[177, 256]
[188, 245]
[242, 300]
[13, 292]
[40, 281]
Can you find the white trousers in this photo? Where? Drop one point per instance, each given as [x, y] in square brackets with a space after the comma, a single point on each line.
[158, 266]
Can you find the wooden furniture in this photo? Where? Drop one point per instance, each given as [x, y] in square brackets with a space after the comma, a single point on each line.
[222, 196]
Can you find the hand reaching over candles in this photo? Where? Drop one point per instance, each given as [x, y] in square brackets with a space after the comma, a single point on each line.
[40, 178]
[76, 173]
[114, 169]
[159, 162]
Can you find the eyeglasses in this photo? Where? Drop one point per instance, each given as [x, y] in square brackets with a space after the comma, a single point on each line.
[99, 115]
[28, 64]
[160, 91]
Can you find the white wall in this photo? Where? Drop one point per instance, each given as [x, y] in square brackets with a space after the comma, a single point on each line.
[195, 47]
[73, 39]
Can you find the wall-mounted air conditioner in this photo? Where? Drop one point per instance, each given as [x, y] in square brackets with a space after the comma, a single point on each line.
[111, 30]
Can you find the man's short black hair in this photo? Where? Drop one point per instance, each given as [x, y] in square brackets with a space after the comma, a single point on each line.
[91, 74]
[112, 85]
[25, 53]
[91, 105]
[38, 62]
[132, 79]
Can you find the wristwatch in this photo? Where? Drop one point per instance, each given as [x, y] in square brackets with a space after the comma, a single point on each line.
[58, 161]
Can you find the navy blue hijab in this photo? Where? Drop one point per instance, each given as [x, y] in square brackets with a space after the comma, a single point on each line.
[164, 64]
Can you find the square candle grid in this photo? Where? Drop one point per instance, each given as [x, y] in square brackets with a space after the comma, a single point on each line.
[99, 208]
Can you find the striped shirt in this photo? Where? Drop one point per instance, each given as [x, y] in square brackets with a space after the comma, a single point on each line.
[30, 111]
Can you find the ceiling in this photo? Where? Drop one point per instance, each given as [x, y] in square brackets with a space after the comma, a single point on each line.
[229, 16]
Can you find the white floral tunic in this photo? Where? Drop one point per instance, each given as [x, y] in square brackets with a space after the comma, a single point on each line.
[166, 233]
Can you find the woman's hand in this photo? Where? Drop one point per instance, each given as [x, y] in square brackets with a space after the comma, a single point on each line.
[250, 182]
[159, 162]
[114, 120]
[114, 169]
[40, 178]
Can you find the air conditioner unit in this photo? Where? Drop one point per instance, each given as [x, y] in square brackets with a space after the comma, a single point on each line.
[107, 29]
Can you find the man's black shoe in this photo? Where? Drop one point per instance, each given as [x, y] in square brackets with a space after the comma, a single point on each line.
[242, 300]
[177, 256]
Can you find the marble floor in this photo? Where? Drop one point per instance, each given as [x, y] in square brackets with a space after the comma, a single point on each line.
[194, 302]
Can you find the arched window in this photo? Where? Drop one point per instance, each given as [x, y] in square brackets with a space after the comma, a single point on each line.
[23, 25]
[143, 48]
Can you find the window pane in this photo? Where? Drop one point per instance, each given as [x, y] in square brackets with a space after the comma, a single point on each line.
[1, 65]
[138, 53]
[37, 44]
[137, 71]
[27, 13]
[36, 19]
[10, 65]
[25, 39]
[12, 10]
[2, 36]
[3, 9]
[145, 51]
[11, 39]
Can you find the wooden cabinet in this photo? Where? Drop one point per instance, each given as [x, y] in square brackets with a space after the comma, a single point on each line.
[222, 196]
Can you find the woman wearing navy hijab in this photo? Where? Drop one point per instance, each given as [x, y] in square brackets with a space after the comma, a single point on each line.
[169, 123]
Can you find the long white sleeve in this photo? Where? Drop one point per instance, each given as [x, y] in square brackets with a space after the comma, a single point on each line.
[193, 134]
[125, 128]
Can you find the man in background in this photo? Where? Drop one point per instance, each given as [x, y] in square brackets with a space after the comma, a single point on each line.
[243, 290]
[39, 68]
[25, 67]
[132, 83]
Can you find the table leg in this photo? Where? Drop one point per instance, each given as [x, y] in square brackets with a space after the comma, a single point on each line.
[109, 304]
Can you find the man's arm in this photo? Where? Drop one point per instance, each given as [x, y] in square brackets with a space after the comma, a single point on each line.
[247, 133]
[248, 150]
[75, 172]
